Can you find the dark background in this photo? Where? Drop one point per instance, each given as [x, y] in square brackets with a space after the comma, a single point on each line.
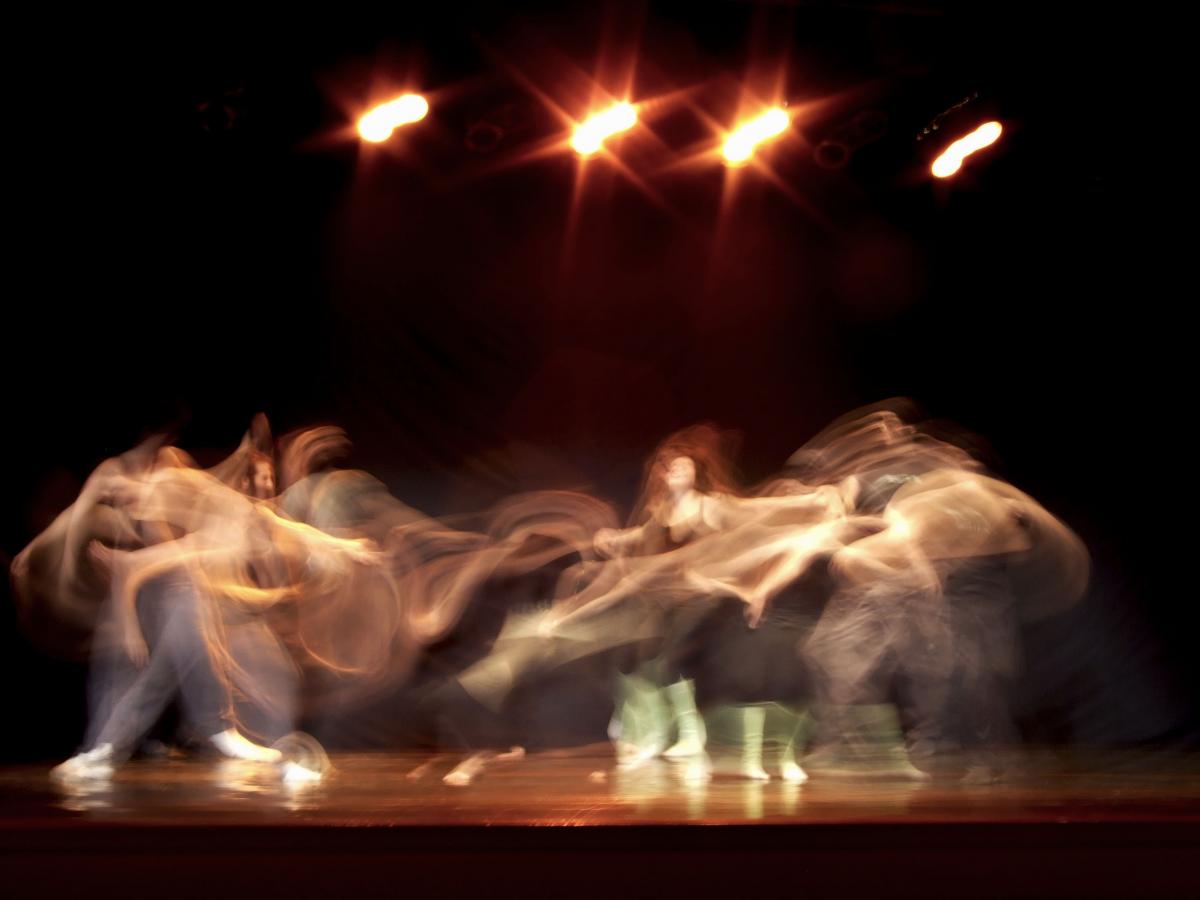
[197, 235]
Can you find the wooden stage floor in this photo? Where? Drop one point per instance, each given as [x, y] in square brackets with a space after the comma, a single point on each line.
[1057, 824]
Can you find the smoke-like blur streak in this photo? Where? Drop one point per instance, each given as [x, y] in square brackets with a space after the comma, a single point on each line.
[881, 565]
[375, 625]
[58, 586]
[932, 566]
[432, 571]
[929, 602]
[240, 588]
[58, 592]
[931, 506]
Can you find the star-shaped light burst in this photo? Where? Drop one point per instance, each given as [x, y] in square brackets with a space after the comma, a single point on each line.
[745, 139]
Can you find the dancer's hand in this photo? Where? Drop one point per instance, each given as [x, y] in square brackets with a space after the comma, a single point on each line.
[754, 613]
[607, 541]
[135, 646]
[548, 626]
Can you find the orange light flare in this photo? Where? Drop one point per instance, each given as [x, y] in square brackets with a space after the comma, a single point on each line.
[590, 135]
[952, 157]
[741, 143]
[377, 125]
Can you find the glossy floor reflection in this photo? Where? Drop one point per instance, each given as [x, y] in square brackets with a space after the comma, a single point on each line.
[584, 787]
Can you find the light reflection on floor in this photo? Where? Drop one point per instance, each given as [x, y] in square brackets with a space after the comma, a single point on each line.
[584, 787]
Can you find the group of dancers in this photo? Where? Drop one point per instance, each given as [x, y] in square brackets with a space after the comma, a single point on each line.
[874, 586]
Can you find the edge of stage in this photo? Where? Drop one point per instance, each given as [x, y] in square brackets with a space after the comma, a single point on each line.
[1115, 824]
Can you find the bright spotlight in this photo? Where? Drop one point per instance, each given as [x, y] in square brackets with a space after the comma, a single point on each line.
[590, 135]
[378, 124]
[952, 157]
[741, 143]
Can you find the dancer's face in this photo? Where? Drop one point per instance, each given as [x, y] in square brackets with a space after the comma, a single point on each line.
[125, 492]
[262, 480]
[681, 474]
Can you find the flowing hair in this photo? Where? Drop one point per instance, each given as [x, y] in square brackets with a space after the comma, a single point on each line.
[710, 448]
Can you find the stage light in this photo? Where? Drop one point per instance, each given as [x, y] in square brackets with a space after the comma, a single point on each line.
[377, 125]
[741, 143]
[590, 135]
[951, 159]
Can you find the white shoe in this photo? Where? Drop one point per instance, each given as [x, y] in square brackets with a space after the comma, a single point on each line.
[466, 771]
[96, 763]
[294, 773]
[233, 744]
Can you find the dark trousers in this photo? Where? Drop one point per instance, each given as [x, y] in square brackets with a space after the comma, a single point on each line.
[128, 701]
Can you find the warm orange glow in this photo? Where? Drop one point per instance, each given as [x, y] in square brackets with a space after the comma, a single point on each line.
[378, 124]
[740, 144]
[363, 583]
[590, 135]
[952, 157]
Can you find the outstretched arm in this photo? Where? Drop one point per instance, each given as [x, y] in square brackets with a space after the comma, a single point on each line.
[361, 550]
[132, 569]
[613, 542]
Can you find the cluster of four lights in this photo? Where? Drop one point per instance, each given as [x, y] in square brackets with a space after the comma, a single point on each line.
[589, 136]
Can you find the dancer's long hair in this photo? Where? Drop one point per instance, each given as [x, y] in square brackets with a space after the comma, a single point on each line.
[711, 449]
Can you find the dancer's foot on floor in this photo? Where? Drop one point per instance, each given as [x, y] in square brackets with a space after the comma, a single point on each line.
[94, 764]
[294, 773]
[793, 774]
[467, 770]
[233, 744]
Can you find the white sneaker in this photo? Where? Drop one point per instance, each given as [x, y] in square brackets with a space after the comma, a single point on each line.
[294, 773]
[233, 744]
[96, 763]
[467, 770]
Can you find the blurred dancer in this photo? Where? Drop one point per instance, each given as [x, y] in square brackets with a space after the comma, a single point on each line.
[182, 613]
